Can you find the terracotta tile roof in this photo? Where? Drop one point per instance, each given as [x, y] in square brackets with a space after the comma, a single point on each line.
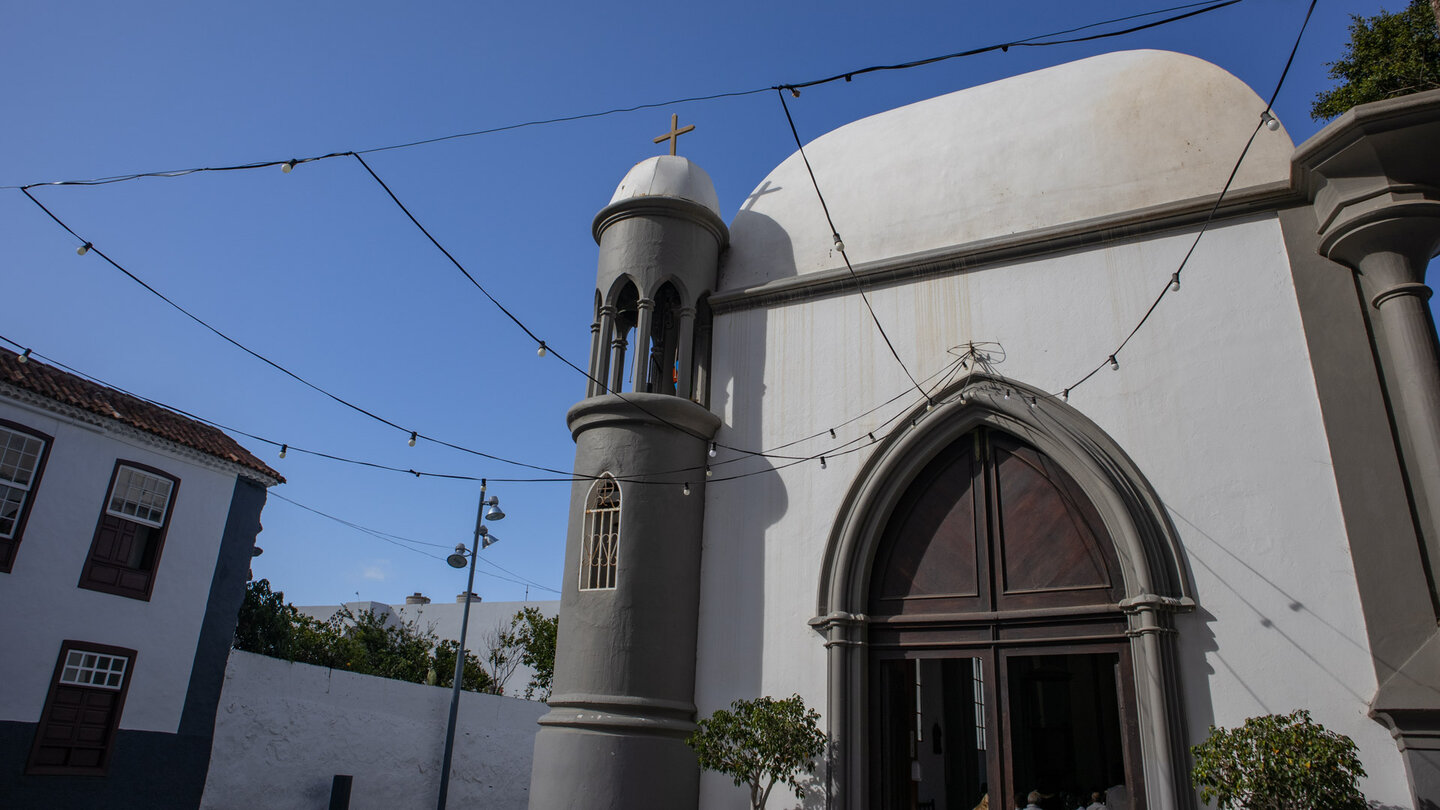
[69, 389]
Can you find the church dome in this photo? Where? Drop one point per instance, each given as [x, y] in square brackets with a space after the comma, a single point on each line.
[1116, 134]
[668, 176]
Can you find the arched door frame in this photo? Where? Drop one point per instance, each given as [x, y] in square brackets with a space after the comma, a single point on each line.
[1150, 555]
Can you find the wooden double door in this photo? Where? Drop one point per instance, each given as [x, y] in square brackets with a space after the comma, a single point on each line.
[952, 730]
[999, 660]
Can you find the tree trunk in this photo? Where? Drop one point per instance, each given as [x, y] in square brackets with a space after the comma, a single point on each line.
[1435, 9]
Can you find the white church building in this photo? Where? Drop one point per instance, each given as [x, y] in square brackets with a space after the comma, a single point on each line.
[991, 570]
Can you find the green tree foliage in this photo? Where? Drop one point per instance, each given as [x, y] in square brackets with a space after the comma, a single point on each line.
[364, 643]
[1278, 762]
[266, 623]
[760, 742]
[475, 679]
[1388, 55]
[535, 634]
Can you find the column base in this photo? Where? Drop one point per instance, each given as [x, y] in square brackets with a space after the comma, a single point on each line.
[597, 770]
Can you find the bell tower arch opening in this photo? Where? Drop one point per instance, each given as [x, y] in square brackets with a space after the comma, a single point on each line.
[997, 604]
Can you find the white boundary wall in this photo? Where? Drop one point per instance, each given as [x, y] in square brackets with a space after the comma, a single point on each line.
[283, 730]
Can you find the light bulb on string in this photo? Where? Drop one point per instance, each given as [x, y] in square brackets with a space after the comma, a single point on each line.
[687, 488]
[83, 249]
[795, 91]
[1174, 282]
[1114, 364]
[708, 472]
[822, 462]
[283, 448]
[288, 165]
[839, 245]
[712, 449]
[1032, 402]
[1270, 121]
[832, 433]
[413, 435]
[540, 352]
[24, 357]
[1065, 395]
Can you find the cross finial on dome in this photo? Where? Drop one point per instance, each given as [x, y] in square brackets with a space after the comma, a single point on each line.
[673, 136]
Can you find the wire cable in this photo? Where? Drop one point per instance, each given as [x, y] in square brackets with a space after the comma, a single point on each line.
[1029, 42]
[1210, 216]
[341, 400]
[840, 245]
[847, 76]
[397, 540]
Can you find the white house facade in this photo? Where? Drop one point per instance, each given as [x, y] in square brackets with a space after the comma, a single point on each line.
[126, 533]
[1027, 559]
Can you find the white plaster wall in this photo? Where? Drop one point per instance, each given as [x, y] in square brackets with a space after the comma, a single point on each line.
[1214, 400]
[283, 730]
[41, 591]
[443, 619]
[1110, 134]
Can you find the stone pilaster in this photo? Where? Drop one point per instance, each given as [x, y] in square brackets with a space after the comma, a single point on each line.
[1374, 179]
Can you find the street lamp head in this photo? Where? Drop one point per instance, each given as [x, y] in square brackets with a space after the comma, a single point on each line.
[489, 540]
[495, 513]
[457, 560]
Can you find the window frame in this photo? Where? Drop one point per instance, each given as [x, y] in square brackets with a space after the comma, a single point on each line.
[590, 549]
[10, 546]
[94, 564]
[112, 723]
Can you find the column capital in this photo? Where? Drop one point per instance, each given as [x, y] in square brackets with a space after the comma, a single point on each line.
[1374, 183]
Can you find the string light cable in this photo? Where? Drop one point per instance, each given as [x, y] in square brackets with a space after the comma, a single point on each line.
[1173, 283]
[412, 434]
[563, 476]
[25, 354]
[287, 165]
[402, 542]
[1038, 40]
[839, 245]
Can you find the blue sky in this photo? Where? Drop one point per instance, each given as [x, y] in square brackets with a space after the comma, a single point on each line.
[319, 271]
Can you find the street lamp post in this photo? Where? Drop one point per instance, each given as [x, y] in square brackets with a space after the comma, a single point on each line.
[483, 539]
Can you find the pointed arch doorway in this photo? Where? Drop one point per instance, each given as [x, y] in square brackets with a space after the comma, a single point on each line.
[997, 615]
[998, 660]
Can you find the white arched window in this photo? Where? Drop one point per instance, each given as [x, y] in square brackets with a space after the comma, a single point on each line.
[601, 547]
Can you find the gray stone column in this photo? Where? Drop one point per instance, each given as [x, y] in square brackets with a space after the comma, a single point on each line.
[640, 374]
[592, 368]
[624, 690]
[1393, 284]
[617, 363]
[601, 371]
[624, 687]
[1374, 179]
[683, 386]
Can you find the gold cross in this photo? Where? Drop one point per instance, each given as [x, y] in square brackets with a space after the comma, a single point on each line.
[675, 132]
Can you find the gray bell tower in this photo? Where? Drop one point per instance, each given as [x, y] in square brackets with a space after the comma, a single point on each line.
[624, 688]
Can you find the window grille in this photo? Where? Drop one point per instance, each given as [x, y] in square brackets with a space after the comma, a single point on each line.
[601, 549]
[978, 674]
[140, 497]
[19, 458]
[94, 669]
